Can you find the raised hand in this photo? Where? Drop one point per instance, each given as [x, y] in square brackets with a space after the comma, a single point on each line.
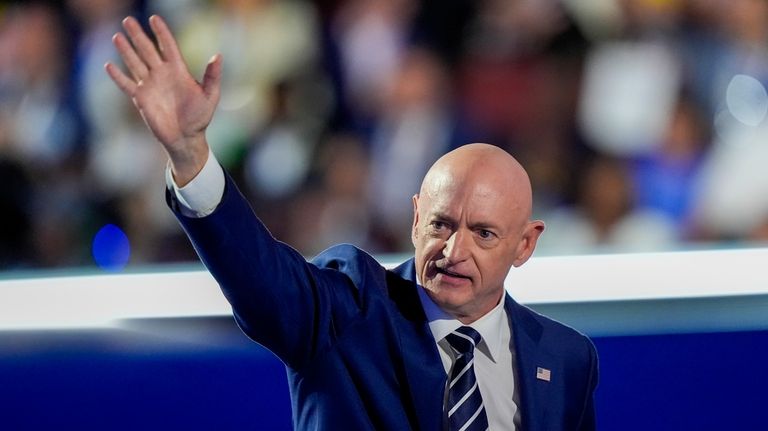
[175, 107]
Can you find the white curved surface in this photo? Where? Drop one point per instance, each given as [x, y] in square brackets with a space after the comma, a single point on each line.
[95, 301]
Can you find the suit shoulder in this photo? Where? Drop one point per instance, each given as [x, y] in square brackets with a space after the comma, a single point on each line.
[352, 261]
[556, 333]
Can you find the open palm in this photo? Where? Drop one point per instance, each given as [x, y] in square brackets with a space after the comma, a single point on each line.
[175, 106]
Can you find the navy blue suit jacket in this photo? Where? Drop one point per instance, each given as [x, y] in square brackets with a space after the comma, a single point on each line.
[354, 337]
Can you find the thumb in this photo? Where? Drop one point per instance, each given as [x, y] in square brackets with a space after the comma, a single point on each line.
[212, 78]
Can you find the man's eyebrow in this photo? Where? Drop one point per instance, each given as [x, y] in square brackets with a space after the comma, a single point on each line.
[439, 215]
[486, 225]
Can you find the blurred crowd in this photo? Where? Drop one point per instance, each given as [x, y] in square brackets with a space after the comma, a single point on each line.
[642, 123]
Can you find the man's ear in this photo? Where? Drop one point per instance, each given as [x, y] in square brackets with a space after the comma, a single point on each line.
[415, 227]
[527, 243]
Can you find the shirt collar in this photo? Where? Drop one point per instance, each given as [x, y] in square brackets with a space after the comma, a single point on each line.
[489, 326]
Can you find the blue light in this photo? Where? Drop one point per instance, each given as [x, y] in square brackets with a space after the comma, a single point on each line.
[111, 248]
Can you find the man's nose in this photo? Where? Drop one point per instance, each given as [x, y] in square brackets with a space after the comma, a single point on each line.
[456, 249]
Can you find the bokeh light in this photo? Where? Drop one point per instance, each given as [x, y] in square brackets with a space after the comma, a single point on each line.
[747, 99]
[111, 248]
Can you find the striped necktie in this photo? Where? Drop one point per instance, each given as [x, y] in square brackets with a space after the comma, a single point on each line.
[464, 404]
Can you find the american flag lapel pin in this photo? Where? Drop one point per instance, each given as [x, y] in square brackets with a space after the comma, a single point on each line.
[543, 374]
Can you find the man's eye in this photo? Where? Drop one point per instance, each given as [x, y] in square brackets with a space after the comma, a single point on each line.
[485, 234]
[438, 225]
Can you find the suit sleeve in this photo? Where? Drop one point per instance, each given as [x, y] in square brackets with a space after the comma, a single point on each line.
[587, 422]
[279, 299]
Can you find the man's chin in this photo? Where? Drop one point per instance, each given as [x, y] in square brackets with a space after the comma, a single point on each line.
[449, 298]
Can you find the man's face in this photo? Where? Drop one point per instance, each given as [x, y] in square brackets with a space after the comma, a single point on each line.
[467, 234]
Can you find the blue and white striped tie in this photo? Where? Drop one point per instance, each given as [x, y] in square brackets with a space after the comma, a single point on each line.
[465, 404]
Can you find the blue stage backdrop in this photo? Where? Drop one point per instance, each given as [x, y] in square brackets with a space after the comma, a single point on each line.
[682, 339]
[203, 374]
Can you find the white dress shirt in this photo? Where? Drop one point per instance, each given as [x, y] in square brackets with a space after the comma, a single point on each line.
[493, 366]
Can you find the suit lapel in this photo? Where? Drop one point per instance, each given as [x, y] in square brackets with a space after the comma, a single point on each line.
[420, 358]
[424, 371]
[534, 389]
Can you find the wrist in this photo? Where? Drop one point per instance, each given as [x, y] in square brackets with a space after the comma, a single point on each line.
[188, 160]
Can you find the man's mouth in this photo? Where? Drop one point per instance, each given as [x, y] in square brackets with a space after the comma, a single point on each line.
[450, 273]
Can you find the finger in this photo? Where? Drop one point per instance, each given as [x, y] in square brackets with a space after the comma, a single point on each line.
[144, 46]
[169, 48]
[124, 83]
[212, 78]
[132, 61]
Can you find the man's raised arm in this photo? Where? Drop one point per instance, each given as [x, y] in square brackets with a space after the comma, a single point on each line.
[278, 298]
[175, 107]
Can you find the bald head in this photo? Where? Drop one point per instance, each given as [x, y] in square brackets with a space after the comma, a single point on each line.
[471, 224]
[489, 167]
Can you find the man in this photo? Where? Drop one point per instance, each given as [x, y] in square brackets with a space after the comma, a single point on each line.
[433, 344]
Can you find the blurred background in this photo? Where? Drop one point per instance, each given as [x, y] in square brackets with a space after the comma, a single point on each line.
[641, 122]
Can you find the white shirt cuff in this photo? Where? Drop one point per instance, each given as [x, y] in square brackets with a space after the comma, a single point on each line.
[202, 195]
